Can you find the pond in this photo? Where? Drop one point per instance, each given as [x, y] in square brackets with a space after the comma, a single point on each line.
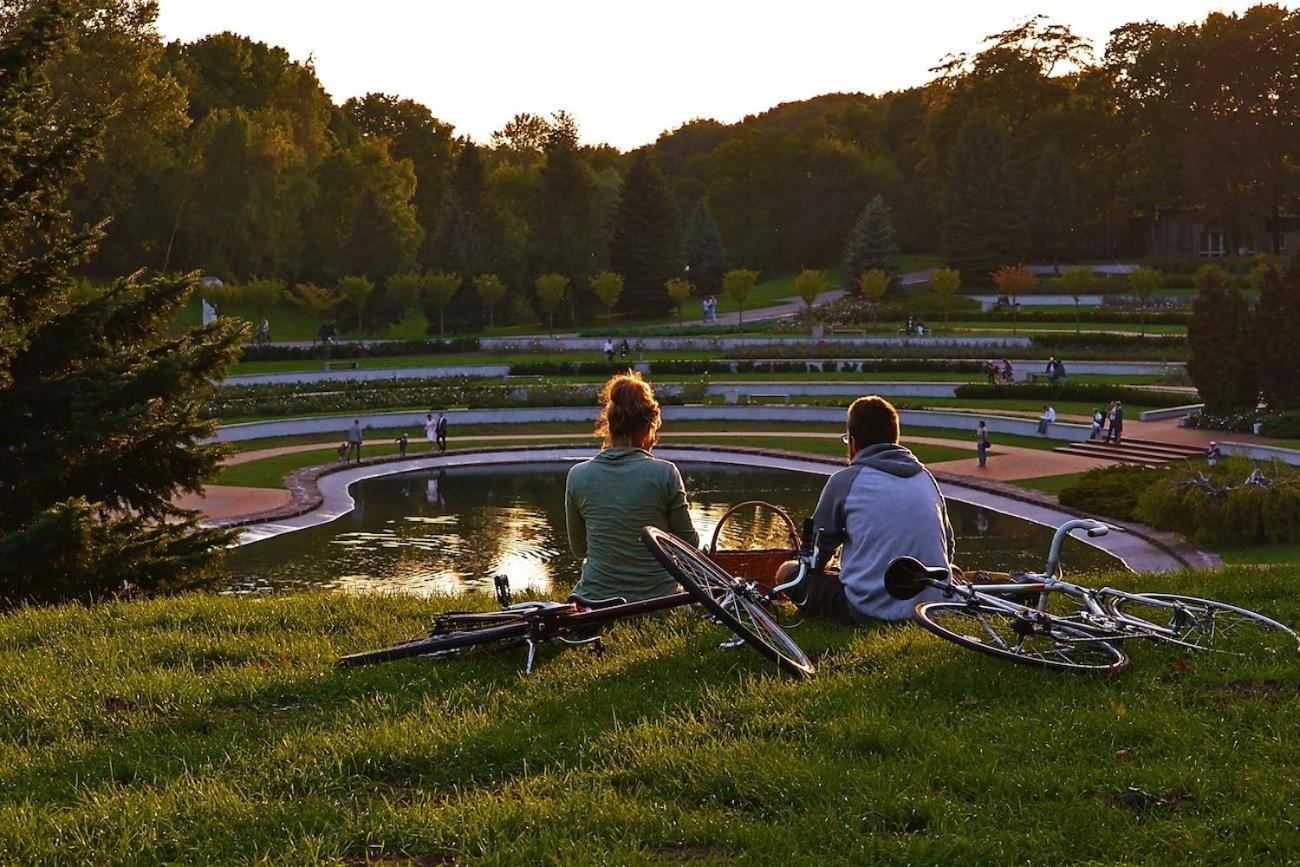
[449, 531]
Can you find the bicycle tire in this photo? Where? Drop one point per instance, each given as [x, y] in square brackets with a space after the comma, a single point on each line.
[1194, 633]
[729, 600]
[437, 643]
[1059, 644]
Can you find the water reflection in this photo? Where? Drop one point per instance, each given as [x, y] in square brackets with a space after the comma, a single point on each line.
[443, 532]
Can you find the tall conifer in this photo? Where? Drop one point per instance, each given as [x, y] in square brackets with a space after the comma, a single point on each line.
[871, 244]
[645, 247]
[109, 402]
[983, 221]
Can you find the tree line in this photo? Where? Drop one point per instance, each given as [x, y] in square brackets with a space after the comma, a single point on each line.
[226, 155]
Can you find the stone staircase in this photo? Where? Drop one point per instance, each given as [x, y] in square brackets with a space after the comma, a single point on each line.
[1147, 453]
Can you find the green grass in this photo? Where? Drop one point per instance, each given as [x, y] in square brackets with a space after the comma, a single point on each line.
[207, 729]
[1280, 555]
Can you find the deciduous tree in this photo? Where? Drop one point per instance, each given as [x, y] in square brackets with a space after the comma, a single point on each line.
[436, 292]
[550, 292]
[607, 286]
[808, 285]
[1012, 281]
[404, 289]
[945, 282]
[1075, 282]
[1143, 282]
[739, 283]
[490, 290]
[679, 290]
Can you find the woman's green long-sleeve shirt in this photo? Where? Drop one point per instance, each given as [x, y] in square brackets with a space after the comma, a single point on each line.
[607, 500]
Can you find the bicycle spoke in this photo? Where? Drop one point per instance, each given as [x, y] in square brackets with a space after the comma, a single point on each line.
[1203, 624]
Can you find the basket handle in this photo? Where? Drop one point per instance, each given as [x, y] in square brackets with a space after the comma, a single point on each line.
[762, 504]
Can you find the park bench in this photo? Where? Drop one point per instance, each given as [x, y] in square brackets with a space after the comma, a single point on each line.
[342, 365]
[525, 379]
[769, 397]
[836, 332]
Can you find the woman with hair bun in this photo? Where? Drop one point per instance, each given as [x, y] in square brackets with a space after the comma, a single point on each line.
[609, 498]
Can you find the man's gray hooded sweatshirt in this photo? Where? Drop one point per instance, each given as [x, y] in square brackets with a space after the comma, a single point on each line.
[884, 505]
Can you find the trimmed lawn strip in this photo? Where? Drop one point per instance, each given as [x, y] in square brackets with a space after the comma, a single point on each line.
[150, 732]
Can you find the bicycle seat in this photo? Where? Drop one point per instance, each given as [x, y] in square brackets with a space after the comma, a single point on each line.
[906, 577]
[588, 602]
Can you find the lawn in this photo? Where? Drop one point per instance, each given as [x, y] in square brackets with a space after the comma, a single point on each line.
[1279, 555]
[216, 730]
[1049, 484]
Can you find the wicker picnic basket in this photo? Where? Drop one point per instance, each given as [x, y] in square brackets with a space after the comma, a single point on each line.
[757, 565]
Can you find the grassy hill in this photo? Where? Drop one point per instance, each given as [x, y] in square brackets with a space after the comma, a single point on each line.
[214, 729]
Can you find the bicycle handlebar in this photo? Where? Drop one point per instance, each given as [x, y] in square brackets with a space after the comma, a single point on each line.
[1094, 529]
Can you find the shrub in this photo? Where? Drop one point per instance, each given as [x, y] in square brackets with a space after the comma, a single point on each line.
[1110, 491]
[1282, 424]
[1224, 510]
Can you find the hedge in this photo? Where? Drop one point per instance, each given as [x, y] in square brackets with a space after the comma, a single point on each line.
[1098, 340]
[345, 351]
[305, 398]
[724, 366]
[1096, 393]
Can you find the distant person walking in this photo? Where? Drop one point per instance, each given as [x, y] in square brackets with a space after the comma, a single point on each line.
[442, 433]
[354, 440]
[401, 445]
[1212, 454]
[431, 431]
[608, 349]
[982, 444]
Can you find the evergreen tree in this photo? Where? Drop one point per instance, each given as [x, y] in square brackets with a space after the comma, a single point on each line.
[110, 402]
[983, 222]
[1278, 346]
[565, 225]
[1053, 209]
[871, 244]
[702, 250]
[1221, 363]
[644, 247]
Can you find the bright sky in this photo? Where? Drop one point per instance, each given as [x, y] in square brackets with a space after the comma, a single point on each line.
[629, 70]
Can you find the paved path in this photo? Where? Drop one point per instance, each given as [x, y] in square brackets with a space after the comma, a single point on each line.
[229, 501]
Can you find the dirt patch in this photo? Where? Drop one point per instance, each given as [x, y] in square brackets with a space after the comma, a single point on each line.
[1234, 691]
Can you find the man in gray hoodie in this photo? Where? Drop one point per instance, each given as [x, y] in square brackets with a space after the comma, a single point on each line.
[882, 506]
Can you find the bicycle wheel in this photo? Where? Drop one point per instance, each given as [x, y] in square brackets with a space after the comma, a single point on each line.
[1025, 638]
[732, 601]
[440, 642]
[1205, 624]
